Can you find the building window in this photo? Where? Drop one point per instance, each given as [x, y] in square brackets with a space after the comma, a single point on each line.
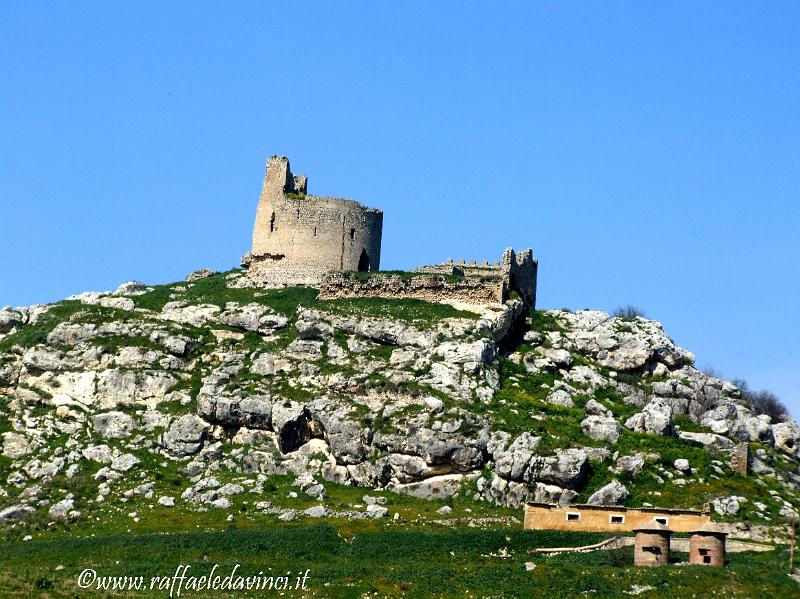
[617, 519]
[352, 233]
[272, 223]
[573, 517]
[664, 521]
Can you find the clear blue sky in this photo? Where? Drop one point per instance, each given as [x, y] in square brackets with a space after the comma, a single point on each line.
[648, 152]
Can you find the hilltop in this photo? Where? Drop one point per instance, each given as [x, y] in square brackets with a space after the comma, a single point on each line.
[211, 401]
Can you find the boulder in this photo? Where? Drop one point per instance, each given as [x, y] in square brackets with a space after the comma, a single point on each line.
[435, 487]
[376, 511]
[513, 461]
[711, 440]
[185, 435]
[630, 465]
[560, 397]
[62, 509]
[15, 513]
[613, 493]
[15, 445]
[482, 351]
[727, 506]
[654, 419]
[682, 465]
[567, 468]
[601, 428]
[131, 288]
[595, 408]
[201, 273]
[787, 437]
[10, 319]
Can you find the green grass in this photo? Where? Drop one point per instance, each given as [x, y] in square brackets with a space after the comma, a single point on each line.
[213, 290]
[417, 312]
[114, 343]
[543, 322]
[347, 561]
[33, 334]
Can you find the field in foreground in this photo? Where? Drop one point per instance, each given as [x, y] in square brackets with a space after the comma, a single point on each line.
[358, 559]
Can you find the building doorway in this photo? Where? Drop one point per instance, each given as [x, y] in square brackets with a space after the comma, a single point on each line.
[363, 261]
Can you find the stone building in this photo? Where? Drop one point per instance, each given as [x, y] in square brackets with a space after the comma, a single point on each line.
[608, 518]
[297, 237]
[707, 546]
[651, 547]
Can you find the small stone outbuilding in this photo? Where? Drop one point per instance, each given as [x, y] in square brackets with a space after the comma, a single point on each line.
[707, 546]
[652, 545]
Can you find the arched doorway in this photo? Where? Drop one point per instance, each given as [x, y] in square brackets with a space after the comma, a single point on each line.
[363, 261]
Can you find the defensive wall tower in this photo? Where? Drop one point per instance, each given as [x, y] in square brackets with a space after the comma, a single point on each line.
[297, 237]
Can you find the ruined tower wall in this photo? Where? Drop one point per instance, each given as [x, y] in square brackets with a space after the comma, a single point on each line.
[298, 238]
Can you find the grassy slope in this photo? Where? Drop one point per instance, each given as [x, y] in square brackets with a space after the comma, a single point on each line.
[414, 556]
[386, 559]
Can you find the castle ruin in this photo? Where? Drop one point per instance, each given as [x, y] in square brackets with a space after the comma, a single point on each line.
[322, 241]
[462, 282]
[297, 237]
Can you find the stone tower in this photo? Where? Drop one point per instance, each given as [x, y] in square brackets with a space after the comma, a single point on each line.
[297, 238]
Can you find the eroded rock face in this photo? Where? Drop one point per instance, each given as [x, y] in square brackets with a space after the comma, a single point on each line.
[113, 425]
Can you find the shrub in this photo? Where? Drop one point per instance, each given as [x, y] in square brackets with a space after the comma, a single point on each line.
[763, 402]
[629, 311]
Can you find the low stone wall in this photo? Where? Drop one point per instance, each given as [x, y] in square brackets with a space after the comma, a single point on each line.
[431, 288]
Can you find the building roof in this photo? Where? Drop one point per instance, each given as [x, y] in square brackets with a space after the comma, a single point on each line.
[710, 528]
[652, 526]
[618, 508]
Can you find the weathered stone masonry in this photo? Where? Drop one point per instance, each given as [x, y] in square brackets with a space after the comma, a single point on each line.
[297, 238]
[452, 282]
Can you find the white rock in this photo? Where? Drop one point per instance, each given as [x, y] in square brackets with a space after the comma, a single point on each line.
[559, 397]
[601, 428]
[613, 493]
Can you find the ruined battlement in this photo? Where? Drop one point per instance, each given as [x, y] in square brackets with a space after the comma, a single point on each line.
[298, 237]
[449, 282]
[516, 271]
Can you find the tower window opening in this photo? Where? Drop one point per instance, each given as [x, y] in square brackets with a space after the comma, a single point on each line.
[352, 233]
[272, 223]
[315, 231]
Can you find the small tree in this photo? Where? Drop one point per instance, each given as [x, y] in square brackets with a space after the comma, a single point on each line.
[763, 402]
[629, 311]
[766, 402]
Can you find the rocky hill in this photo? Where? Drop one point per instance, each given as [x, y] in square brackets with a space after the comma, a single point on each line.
[203, 394]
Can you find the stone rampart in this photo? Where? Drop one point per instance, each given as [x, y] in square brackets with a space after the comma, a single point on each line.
[428, 287]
